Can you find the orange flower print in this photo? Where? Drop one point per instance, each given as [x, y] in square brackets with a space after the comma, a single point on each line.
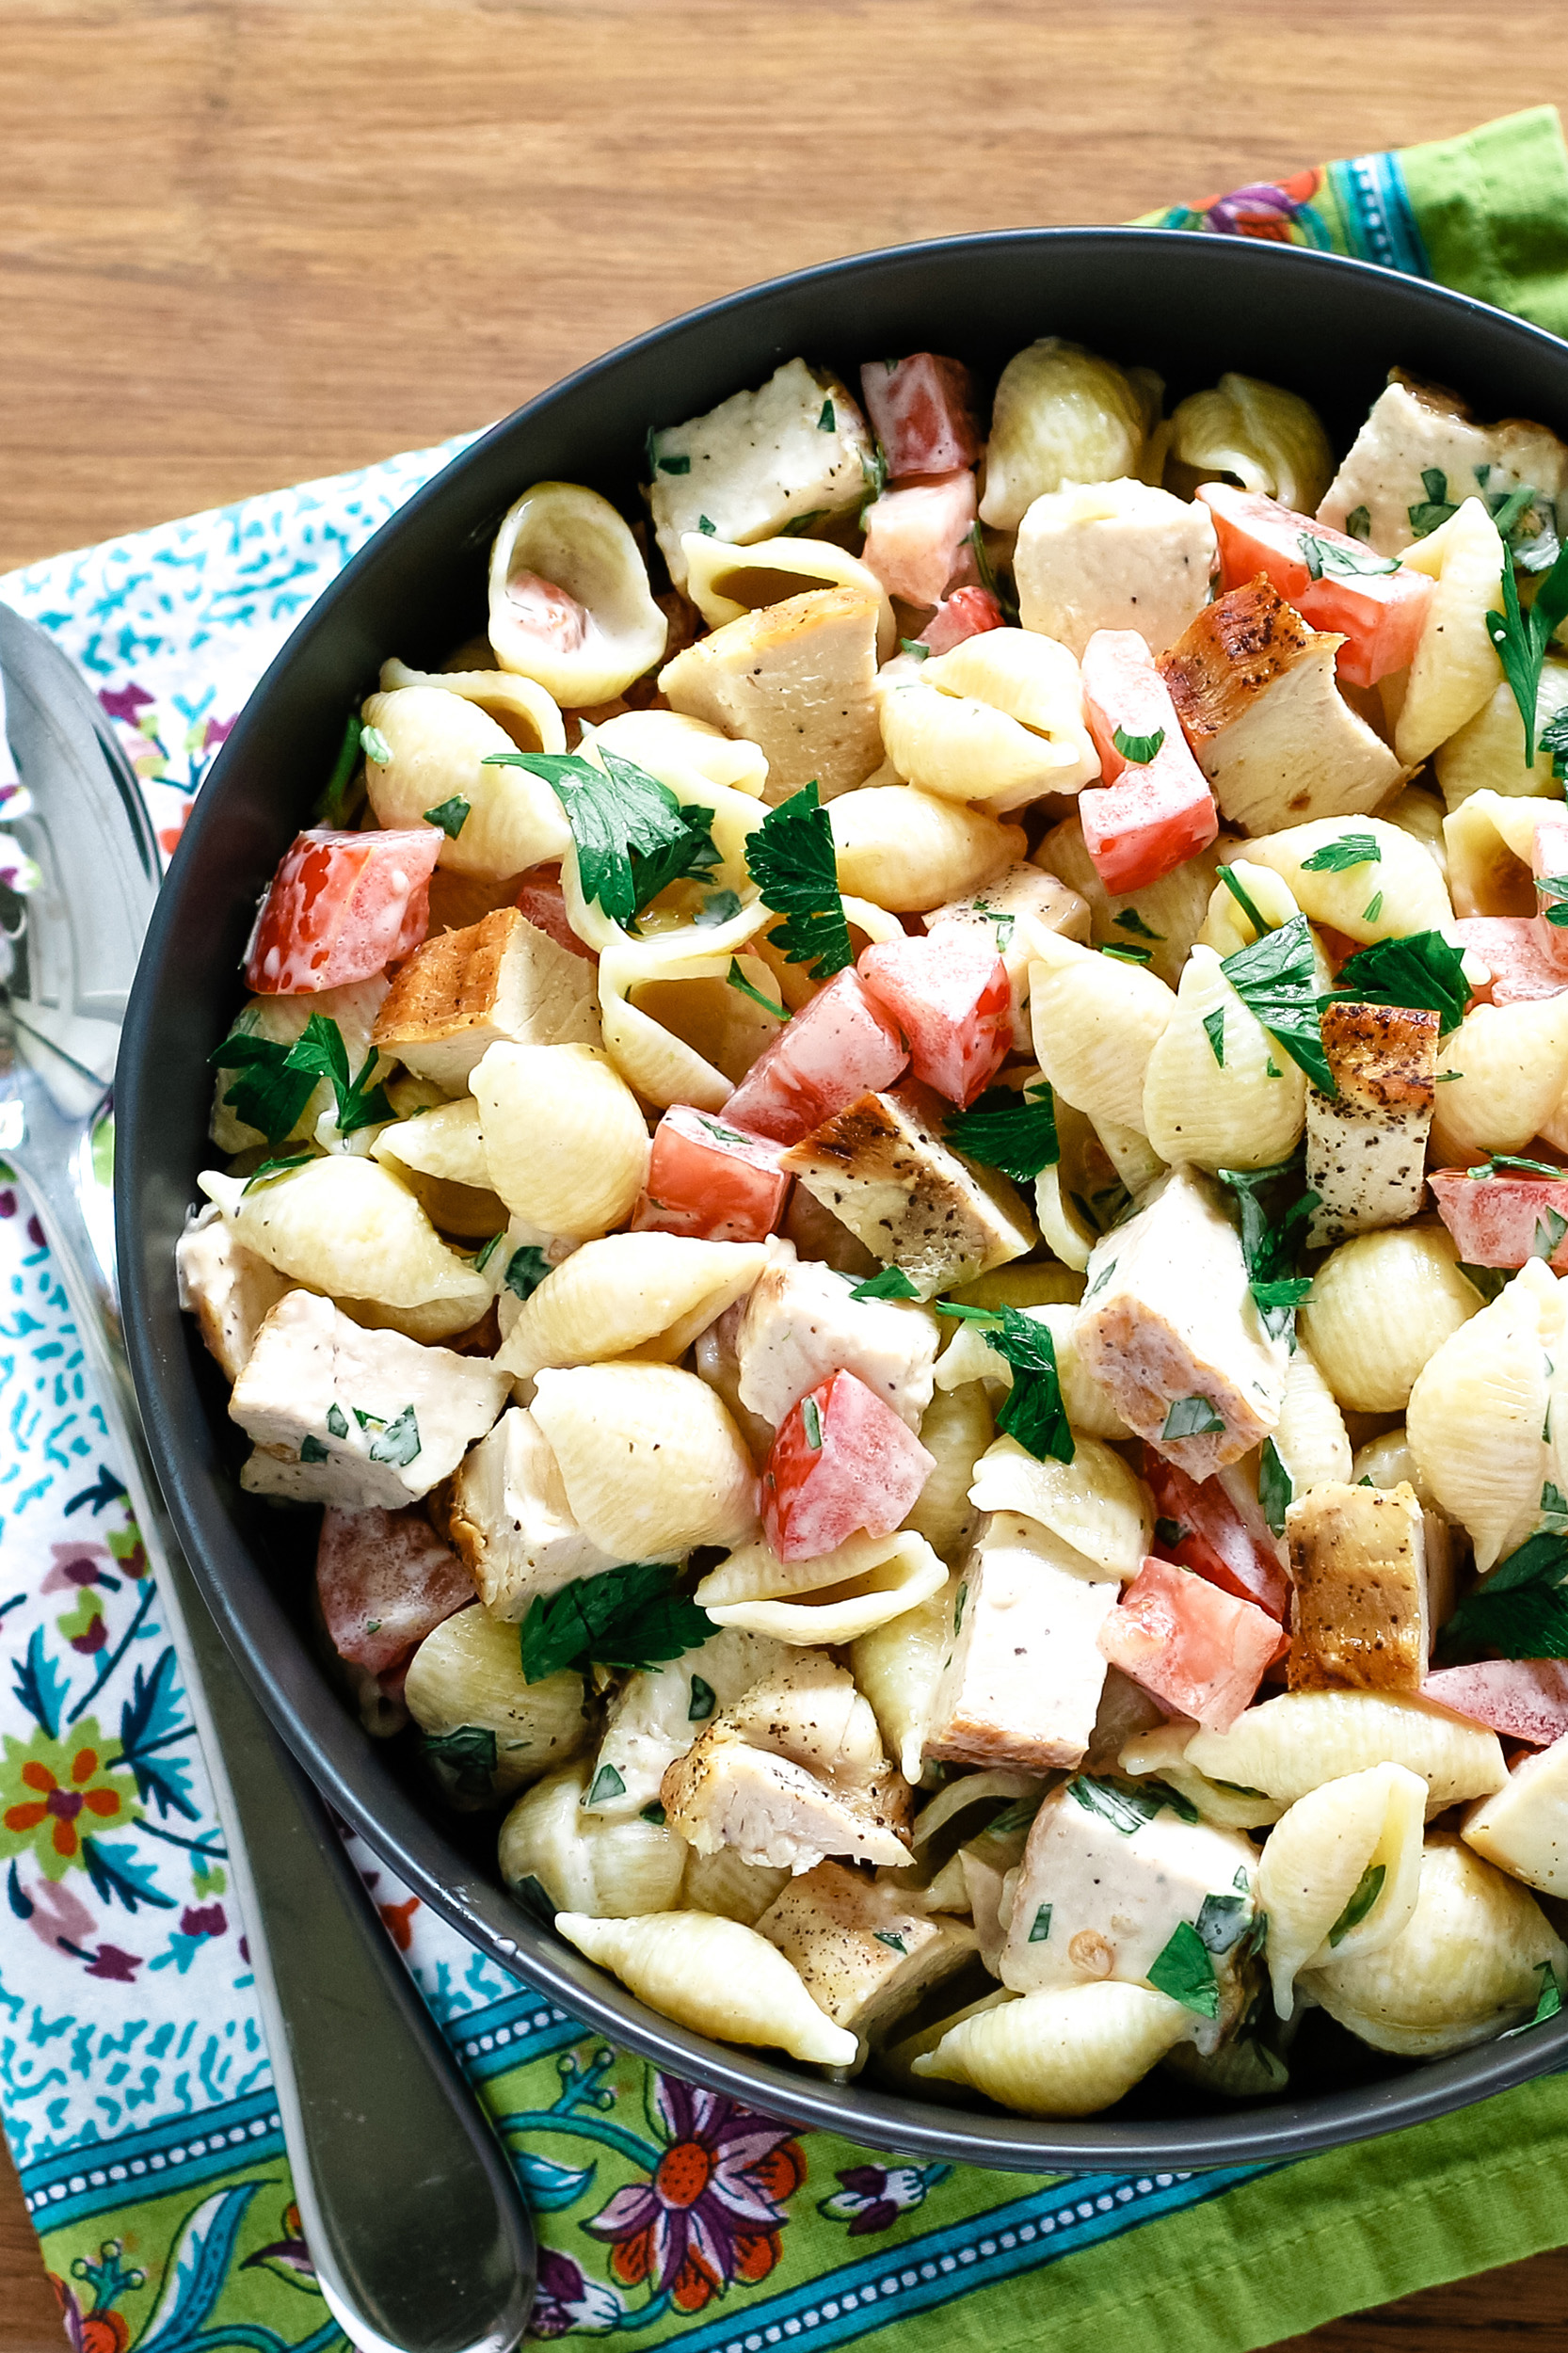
[56, 1793]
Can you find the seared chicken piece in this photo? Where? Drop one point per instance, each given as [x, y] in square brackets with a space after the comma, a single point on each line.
[1114, 555]
[1415, 429]
[501, 980]
[1365, 1145]
[1022, 1676]
[1254, 690]
[1359, 1613]
[509, 1520]
[1168, 1326]
[866, 1951]
[795, 678]
[661, 1711]
[1022, 901]
[800, 1324]
[881, 1169]
[228, 1288]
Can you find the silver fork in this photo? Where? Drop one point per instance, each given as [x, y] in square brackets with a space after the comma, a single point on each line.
[419, 2234]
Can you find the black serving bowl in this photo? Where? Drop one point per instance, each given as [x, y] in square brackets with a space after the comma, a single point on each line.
[1189, 306]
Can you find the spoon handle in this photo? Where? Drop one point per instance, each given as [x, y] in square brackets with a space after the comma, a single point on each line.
[419, 2234]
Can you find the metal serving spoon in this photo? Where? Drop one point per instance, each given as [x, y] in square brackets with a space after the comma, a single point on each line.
[420, 2237]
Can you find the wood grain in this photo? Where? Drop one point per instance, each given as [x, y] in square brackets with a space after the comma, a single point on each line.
[246, 242]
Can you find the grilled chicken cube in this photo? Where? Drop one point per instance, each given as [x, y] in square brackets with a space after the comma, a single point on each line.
[798, 445]
[1012, 910]
[1415, 429]
[1359, 1615]
[1107, 1880]
[1022, 1676]
[1365, 1145]
[500, 981]
[1254, 690]
[1114, 555]
[881, 1168]
[340, 1415]
[660, 1711]
[228, 1288]
[800, 1324]
[1168, 1327]
[1524, 1826]
[864, 1951]
[508, 1519]
[795, 678]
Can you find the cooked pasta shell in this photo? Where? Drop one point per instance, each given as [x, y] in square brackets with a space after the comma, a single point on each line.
[1079, 1194]
[588, 644]
[444, 1142]
[1489, 839]
[1466, 1966]
[1217, 1092]
[675, 1026]
[1096, 1022]
[732, 1890]
[1165, 917]
[1478, 1414]
[1456, 667]
[715, 1976]
[1161, 1754]
[531, 717]
[864, 1582]
[1304, 1738]
[1509, 1066]
[897, 1667]
[1384, 897]
[652, 1464]
[1488, 753]
[1225, 926]
[565, 1142]
[467, 1676]
[910, 851]
[677, 749]
[1419, 815]
[724, 581]
[1059, 2054]
[893, 2065]
[1131, 1154]
[1384, 1460]
[1315, 1882]
[615, 1870]
[344, 1226]
[955, 1430]
[1094, 1503]
[1062, 414]
[628, 1294]
[438, 743]
[1311, 1439]
[1263, 437]
[997, 720]
[1380, 1308]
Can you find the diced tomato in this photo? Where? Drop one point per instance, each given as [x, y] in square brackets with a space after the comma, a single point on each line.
[710, 1180]
[1151, 816]
[1504, 1220]
[1380, 615]
[842, 1462]
[1521, 1699]
[1205, 1529]
[914, 534]
[544, 906]
[1550, 865]
[950, 994]
[1510, 947]
[340, 907]
[967, 613]
[385, 1580]
[838, 1046]
[922, 412]
[1198, 1650]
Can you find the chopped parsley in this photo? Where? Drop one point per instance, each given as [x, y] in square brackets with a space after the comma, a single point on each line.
[312, 1450]
[1243, 899]
[375, 746]
[282, 1165]
[333, 807]
[450, 816]
[1423, 971]
[1191, 1417]
[1125, 954]
[1548, 2002]
[1138, 749]
[1033, 1411]
[708, 529]
[892, 1283]
[1369, 1887]
[1520, 1609]
[1554, 739]
[1550, 1226]
[737, 979]
[337, 1422]
[1435, 508]
[399, 1442]
[607, 1783]
[792, 861]
[1327, 556]
[487, 1250]
[526, 1269]
[656, 464]
[1358, 524]
[1373, 908]
[1185, 1971]
[798, 525]
[716, 908]
[626, 1617]
[1015, 1132]
[703, 1701]
[1214, 1029]
[633, 836]
[1128, 1805]
[811, 1421]
[1490, 1166]
[464, 1762]
[892, 1938]
[653, 1813]
[1553, 890]
[1276, 980]
[1337, 858]
[1272, 1233]
[1039, 1928]
[1277, 1489]
[916, 646]
[1130, 921]
[1522, 638]
[827, 423]
[269, 1095]
[1222, 1920]
[321, 1052]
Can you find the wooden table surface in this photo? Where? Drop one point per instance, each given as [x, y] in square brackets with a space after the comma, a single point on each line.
[243, 242]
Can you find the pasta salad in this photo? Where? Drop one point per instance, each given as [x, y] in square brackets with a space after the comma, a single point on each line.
[897, 1171]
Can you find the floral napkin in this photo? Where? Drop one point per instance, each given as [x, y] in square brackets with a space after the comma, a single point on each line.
[134, 2078]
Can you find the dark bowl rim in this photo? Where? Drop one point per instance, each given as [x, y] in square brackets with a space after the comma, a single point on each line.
[311, 1716]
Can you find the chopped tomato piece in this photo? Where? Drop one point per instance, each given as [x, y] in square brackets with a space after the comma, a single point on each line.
[340, 907]
[1198, 1650]
[838, 1046]
[950, 994]
[921, 411]
[914, 534]
[1205, 1529]
[1504, 1220]
[710, 1180]
[967, 613]
[842, 1462]
[544, 906]
[385, 1581]
[1379, 614]
[1522, 1699]
[1152, 813]
[1510, 947]
[1550, 865]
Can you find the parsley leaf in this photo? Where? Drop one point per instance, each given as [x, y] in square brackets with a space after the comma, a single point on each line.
[1554, 739]
[1522, 638]
[1244, 900]
[1337, 858]
[1373, 908]
[1271, 1237]
[892, 1283]
[1130, 921]
[1369, 1887]
[1358, 523]
[916, 646]
[269, 1095]
[333, 807]
[1214, 1029]
[320, 1053]
[1277, 1489]
[1490, 1166]
[399, 1442]
[626, 1617]
[1223, 1920]
[718, 908]
[375, 746]
[1276, 980]
[798, 525]
[792, 861]
[1553, 892]
[826, 422]
[1015, 1132]
[1125, 954]
[1548, 2001]
[1435, 507]
[450, 816]
[311, 1449]
[1191, 1417]
[1423, 971]
[633, 836]
[1138, 749]
[283, 1164]
[1129, 1805]
[1327, 556]
[525, 1271]
[1033, 1411]
[737, 979]
[1521, 1609]
[464, 1762]
[1185, 1971]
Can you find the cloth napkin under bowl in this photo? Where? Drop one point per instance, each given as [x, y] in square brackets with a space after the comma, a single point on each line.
[134, 2079]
